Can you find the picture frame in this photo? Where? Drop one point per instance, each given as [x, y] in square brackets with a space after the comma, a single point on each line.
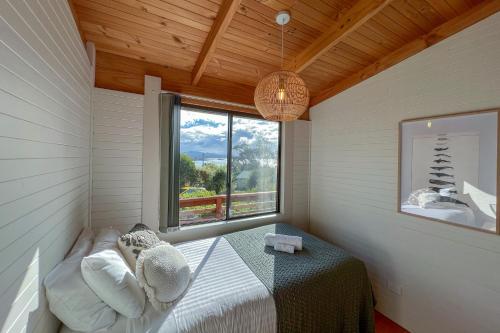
[448, 169]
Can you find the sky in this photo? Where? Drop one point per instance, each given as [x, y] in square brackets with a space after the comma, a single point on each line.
[207, 132]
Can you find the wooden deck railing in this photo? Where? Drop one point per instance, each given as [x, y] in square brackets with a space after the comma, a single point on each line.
[249, 199]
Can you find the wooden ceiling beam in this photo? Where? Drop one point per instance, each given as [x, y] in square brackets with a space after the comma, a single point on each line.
[447, 29]
[222, 21]
[362, 11]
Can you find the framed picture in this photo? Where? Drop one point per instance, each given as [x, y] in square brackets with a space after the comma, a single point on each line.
[448, 169]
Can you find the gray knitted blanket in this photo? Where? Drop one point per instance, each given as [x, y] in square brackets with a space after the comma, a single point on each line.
[318, 289]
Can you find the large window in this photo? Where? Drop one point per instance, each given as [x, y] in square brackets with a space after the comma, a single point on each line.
[227, 166]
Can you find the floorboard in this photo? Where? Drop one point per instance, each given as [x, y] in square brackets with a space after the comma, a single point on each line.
[385, 325]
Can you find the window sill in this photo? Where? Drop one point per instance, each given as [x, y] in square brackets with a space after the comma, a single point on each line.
[243, 219]
[214, 229]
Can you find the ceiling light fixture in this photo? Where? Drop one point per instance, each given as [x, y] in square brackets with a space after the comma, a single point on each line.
[281, 95]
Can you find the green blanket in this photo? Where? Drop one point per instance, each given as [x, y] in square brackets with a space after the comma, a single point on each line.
[319, 289]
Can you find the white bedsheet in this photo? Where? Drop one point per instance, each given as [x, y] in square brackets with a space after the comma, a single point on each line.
[225, 296]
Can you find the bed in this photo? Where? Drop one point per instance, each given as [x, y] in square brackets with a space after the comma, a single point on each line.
[239, 285]
[459, 214]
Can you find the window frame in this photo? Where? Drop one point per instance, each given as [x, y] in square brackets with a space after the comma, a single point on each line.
[174, 163]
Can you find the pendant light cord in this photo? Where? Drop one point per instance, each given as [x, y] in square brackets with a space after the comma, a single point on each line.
[282, 27]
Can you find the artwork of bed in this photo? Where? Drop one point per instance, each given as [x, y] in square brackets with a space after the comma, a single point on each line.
[448, 169]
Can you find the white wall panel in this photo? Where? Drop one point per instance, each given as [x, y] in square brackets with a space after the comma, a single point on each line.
[301, 168]
[45, 112]
[117, 159]
[429, 277]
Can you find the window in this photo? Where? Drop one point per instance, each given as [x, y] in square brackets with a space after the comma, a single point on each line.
[227, 166]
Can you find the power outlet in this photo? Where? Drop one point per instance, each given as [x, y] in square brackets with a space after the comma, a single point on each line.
[395, 288]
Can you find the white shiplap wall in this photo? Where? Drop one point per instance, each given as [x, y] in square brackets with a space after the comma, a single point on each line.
[44, 153]
[429, 277]
[117, 159]
[300, 173]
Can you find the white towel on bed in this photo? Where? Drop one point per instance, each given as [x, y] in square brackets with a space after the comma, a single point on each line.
[284, 248]
[271, 239]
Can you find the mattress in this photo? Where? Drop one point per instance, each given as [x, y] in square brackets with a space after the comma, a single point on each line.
[225, 296]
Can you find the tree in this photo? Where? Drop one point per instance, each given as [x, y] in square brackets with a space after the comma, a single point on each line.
[217, 182]
[187, 173]
[258, 158]
[213, 177]
[259, 153]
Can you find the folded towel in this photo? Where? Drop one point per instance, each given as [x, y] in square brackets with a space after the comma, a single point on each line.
[271, 239]
[284, 247]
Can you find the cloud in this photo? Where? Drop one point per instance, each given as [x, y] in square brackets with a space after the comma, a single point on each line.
[207, 132]
[203, 132]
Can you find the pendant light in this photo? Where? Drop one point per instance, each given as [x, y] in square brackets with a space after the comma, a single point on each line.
[281, 95]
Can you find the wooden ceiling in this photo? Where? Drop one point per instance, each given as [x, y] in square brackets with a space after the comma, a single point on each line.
[212, 45]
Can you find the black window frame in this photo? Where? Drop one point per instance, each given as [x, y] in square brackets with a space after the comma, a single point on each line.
[174, 163]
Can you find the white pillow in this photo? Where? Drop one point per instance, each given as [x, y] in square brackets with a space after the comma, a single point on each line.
[426, 199]
[164, 273]
[108, 275]
[70, 298]
[413, 197]
[82, 246]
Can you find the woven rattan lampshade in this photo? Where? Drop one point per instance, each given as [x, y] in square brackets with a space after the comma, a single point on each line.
[281, 96]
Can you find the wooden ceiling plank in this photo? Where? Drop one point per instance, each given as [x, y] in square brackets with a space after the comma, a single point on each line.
[357, 53]
[403, 21]
[149, 41]
[126, 13]
[428, 11]
[353, 59]
[242, 49]
[361, 12]
[336, 62]
[160, 56]
[175, 14]
[406, 9]
[211, 6]
[331, 8]
[364, 44]
[179, 8]
[459, 6]
[77, 19]
[326, 70]
[267, 16]
[447, 29]
[379, 38]
[224, 17]
[384, 31]
[259, 41]
[443, 8]
[91, 16]
[238, 59]
[407, 33]
[197, 7]
[131, 41]
[251, 27]
[304, 14]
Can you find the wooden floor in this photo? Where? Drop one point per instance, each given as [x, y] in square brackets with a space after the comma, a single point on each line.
[385, 325]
